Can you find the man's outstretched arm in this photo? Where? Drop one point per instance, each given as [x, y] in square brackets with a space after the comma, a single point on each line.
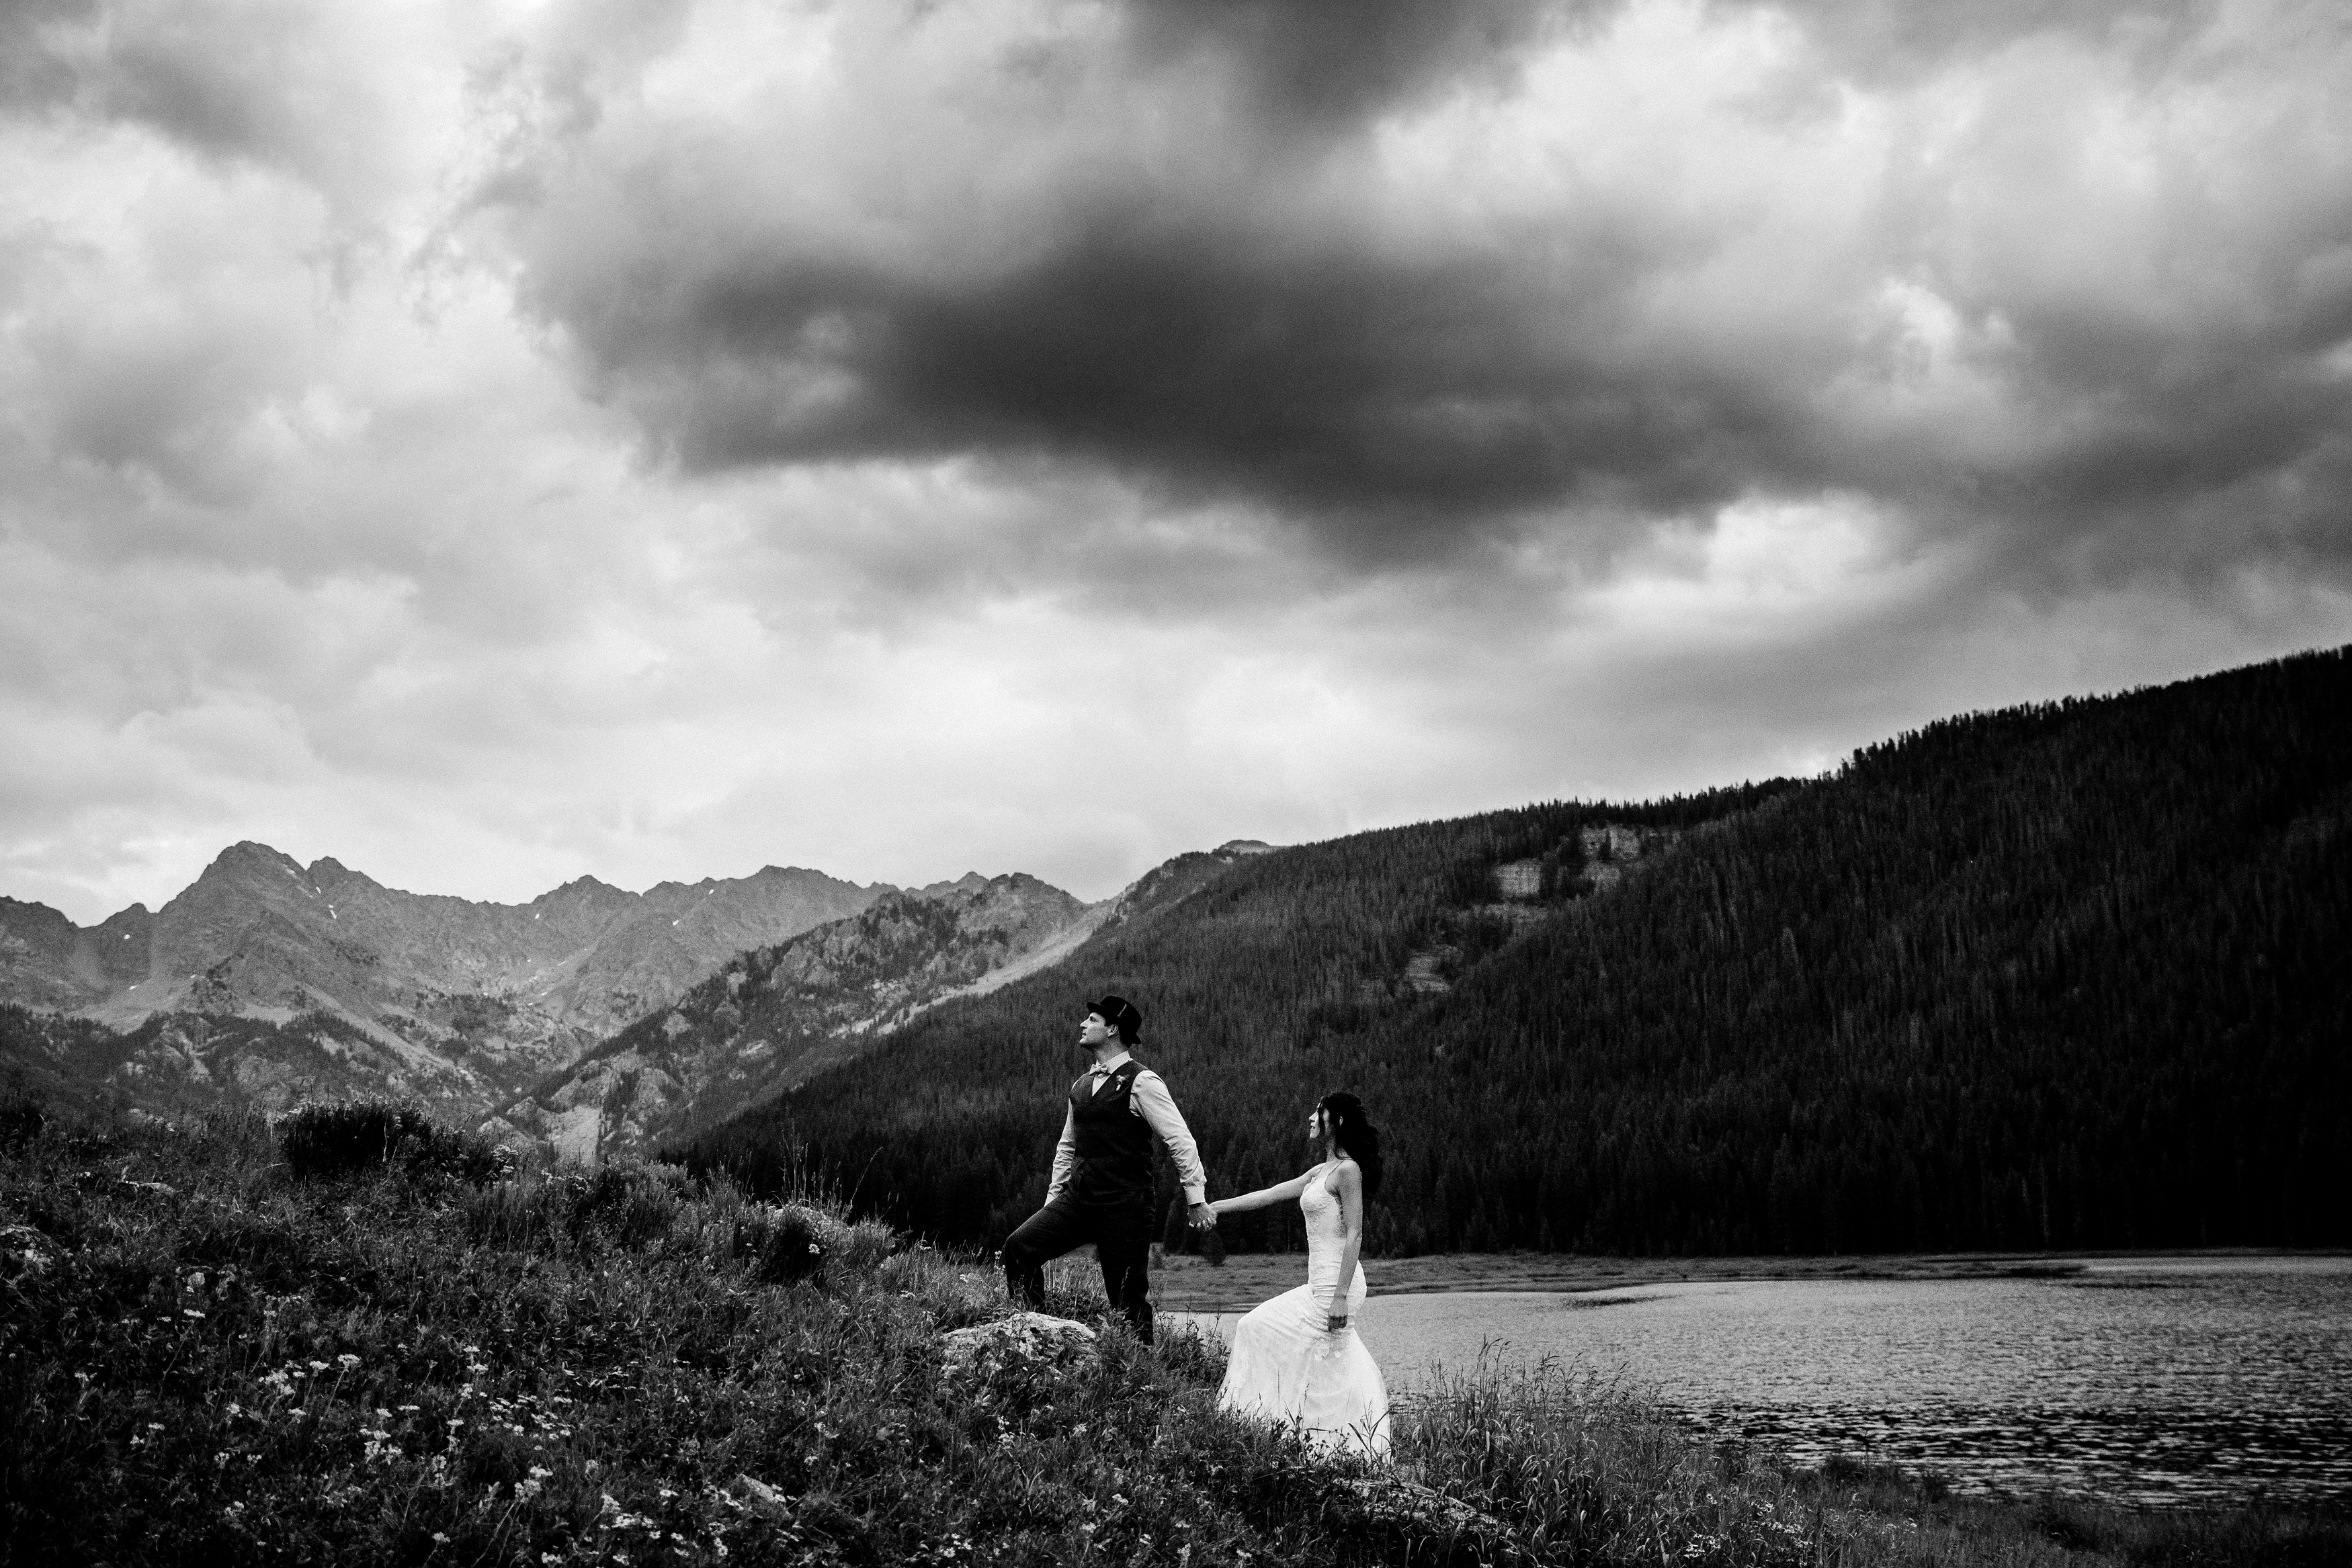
[1065, 1156]
[1160, 1114]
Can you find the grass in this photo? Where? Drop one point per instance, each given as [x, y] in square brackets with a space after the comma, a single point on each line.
[208, 1354]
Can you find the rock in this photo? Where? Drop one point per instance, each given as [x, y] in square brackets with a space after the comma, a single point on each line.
[1032, 1337]
[758, 1497]
[1425, 1509]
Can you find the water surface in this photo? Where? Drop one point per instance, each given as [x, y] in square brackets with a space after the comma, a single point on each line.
[2162, 1381]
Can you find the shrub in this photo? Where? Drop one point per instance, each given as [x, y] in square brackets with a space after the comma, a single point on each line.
[784, 1244]
[325, 1141]
[21, 1118]
[616, 1201]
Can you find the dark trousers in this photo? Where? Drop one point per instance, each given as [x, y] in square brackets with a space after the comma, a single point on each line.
[1121, 1233]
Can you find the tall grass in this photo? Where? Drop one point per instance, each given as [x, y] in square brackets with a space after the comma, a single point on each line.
[1582, 1469]
[212, 1353]
[345, 1139]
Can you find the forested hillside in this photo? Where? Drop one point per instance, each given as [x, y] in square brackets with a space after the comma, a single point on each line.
[2067, 975]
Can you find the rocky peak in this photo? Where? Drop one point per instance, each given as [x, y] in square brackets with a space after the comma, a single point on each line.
[250, 854]
[331, 876]
[776, 1014]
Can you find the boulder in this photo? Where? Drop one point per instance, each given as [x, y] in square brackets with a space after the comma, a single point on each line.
[1029, 1336]
[1424, 1511]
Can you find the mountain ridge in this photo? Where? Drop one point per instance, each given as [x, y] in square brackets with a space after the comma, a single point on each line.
[771, 1016]
[269, 981]
[452, 1001]
[2067, 975]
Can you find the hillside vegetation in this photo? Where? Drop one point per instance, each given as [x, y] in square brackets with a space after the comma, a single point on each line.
[351, 1339]
[2062, 975]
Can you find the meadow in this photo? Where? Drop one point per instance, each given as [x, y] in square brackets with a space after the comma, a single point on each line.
[356, 1337]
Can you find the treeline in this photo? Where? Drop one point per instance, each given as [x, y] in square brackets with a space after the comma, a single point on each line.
[52, 1055]
[2064, 976]
[79, 1062]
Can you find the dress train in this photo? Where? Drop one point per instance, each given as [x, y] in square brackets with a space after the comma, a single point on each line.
[1288, 1366]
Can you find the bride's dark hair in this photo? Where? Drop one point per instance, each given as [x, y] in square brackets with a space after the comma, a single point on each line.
[1354, 1133]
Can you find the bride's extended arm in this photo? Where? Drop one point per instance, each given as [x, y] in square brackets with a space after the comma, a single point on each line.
[1262, 1197]
[1352, 1231]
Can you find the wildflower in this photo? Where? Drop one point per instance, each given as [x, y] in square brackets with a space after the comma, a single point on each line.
[347, 1360]
[439, 1539]
[190, 1312]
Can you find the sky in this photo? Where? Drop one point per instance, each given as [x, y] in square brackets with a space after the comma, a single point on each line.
[490, 442]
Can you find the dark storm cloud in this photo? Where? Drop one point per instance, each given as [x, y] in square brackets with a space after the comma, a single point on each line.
[1355, 413]
[1339, 60]
[1257, 304]
[1201, 360]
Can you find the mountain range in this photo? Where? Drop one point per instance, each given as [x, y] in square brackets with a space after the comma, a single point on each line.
[267, 981]
[2064, 976]
[2068, 975]
[587, 1022]
[772, 1018]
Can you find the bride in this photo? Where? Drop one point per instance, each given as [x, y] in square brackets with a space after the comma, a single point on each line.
[1297, 1358]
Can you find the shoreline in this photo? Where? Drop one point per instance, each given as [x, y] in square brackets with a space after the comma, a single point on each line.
[1184, 1283]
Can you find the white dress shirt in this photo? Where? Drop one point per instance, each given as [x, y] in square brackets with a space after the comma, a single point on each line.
[1147, 1097]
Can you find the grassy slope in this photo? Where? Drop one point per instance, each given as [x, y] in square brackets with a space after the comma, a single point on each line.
[206, 1359]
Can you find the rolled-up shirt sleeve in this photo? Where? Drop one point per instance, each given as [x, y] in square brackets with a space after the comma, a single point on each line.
[1158, 1108]
[1065, 1154]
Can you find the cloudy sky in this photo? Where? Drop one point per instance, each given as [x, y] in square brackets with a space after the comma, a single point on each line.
[491, 442]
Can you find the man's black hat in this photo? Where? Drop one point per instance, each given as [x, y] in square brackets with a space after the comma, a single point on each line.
[1121, 1015]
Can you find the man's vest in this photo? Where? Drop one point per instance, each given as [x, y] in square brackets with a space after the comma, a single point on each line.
[1113, 1143]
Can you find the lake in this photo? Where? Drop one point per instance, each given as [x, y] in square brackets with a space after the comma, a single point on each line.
[2151, 1381]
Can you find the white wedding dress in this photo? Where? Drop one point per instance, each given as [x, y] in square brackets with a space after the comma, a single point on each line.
[1288, 1366]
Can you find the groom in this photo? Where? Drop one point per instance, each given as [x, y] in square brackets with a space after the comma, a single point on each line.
[1100, 1190]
